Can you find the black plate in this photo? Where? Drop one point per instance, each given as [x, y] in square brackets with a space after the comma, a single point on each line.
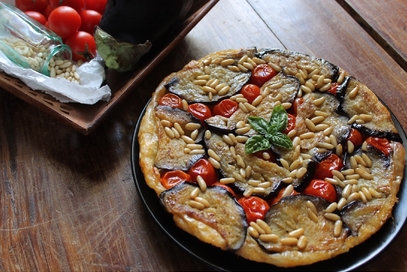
[226, 261]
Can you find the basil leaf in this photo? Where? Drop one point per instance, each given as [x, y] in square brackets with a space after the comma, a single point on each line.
[256, 143]
[278, 119]
[259, 124]
[282, 140]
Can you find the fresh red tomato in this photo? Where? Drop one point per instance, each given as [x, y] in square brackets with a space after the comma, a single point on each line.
[97, 5]
[37, 16]
[321, 188]
[355, 137]
[83, 46]
[250, 92]
[171, 100]
[254, 207]
[64, 21]
[226, 108]
[204, 169]
[90, 19]
[200, 111]
[225, 187]
[324, 168]
[261, 74]
[269, 156]
[47, 11]
[290, 124]
[381, 144]
[172, 178]
[279, 196]
[77, 5]
[333, 89]
[34, 5]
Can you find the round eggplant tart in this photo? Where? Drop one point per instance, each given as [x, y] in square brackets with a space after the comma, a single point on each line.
[277, 156]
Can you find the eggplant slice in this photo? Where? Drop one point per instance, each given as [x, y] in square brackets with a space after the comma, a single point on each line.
[189, 85]
[293, 62]
[221, 213]
[290, 219]
[171, 154]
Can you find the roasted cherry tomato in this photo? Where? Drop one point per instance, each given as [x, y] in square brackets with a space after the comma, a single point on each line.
[225, 187]
[171, 100]
[39, 17]
[279, 196]
[172, 178]
[250, 92]
[333, 89]
[261, 74]
[324, 168]
[266, 155]
[226, 108]
[90, 19]
[321, 188]
[204, 169]
[296, 105]
[355, 137]
[290, 123]
[254, 207]
[64, 21]
[381, 144]
[200, 111]
[83, 45]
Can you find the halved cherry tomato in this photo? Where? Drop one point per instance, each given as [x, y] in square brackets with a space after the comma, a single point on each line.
[83, 45]
[279, 196]
[204, 169]
[225, 187]
[333, 89]
[39, 17]
[290, 124]
[381, 144]
[261, 74]
[172, 178]
[250, 92]
[266, 155]
[321, 188]
[200, 111]
[254, 207]
[355, 137]
[172, 100]
[324, 168]
[64, 21]
[226, 108]
[90, 19]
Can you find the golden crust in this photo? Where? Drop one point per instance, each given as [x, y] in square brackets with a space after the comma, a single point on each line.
[365, 103]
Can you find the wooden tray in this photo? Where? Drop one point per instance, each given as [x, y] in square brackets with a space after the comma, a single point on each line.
[85, 118]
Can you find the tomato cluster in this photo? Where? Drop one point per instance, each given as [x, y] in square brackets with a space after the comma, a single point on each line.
[73, 20]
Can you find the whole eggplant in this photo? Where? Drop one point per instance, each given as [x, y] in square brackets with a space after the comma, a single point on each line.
[129, 28]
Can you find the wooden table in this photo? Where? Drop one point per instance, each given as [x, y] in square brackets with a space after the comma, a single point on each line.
[69, 202]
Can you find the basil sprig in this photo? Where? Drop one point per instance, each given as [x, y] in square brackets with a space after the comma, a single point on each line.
[270, 133]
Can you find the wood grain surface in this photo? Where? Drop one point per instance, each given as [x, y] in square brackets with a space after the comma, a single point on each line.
[69, 202]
